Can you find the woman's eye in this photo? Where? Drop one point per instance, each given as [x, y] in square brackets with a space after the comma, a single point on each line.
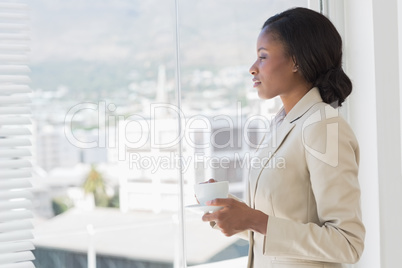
[262, 57]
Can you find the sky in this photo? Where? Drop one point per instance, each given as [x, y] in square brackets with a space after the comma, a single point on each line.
[117, 30]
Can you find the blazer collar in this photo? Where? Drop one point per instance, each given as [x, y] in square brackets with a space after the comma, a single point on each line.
[279, 134]
[304, 104]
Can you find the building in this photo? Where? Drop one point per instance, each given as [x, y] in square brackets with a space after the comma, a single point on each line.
[133, 239]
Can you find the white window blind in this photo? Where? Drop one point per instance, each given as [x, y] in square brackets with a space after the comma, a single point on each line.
[15, 146]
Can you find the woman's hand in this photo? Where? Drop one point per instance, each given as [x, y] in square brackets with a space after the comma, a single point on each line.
[236, 217]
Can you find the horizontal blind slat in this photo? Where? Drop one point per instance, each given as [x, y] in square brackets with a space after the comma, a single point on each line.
[14, 120]
[15, 131]
[14, 47]
[14, 16]
[16, 236]
[14, 68]
[16, 246]
[26, 264]
[14, 36]
[13, 27]
[13, 58]
[15, 204]
[7, 195]
[14, 174]
[16, 257]
[9, 143]
[7, 100]
[15, 163]
[23, 79]
[15, 215]
[14, 110]
[15, 225]
[14, 6]
[13, 89]
[10, 184]
[13, 153]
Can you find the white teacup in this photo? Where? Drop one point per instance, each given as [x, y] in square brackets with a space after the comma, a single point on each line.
[209, 191]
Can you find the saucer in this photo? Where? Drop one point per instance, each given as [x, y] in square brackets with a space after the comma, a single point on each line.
[201, 208]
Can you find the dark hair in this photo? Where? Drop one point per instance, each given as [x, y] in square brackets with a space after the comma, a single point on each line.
[316, 46]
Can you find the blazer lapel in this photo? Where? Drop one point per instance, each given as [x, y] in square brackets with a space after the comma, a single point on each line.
[266, 154]
[276, 140]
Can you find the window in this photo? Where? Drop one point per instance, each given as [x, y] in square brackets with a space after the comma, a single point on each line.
[110, 159]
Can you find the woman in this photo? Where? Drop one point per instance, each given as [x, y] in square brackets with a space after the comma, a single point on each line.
[307, 213]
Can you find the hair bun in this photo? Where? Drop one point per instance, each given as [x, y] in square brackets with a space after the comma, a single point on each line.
[329, 82]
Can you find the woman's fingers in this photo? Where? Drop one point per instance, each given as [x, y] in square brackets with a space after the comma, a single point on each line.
[209, 181]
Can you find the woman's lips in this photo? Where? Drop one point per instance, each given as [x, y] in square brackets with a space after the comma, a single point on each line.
[256, 83]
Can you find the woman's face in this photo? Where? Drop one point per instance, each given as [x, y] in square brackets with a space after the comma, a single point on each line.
[273, 71]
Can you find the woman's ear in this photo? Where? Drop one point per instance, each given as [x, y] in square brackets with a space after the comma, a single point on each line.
[295, 65]
[295, 68]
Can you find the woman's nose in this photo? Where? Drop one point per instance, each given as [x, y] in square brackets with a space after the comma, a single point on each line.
[252, 70]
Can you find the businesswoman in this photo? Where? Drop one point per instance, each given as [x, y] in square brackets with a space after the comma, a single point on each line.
[306, 213]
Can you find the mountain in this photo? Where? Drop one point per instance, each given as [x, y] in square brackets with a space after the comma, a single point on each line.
[97, 43]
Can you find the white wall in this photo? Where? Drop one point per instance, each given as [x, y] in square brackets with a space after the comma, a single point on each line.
[371, 47]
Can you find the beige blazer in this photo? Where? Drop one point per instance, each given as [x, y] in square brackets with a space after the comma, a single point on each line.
[306, 180]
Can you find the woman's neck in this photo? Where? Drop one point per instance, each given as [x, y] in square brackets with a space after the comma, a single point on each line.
[290, 99]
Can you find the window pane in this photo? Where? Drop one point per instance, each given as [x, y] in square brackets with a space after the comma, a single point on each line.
[107, 176]
[103, 74]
